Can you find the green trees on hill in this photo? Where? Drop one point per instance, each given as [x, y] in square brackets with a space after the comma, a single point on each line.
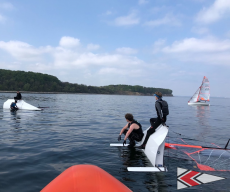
[38, 82]
[137, 88]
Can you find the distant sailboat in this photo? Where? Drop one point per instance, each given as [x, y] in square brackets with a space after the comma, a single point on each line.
[202, 94]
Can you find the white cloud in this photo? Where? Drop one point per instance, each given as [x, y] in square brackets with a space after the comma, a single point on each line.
[6, 6]
[93, 46]
[108, 13]
[191, 51]
[69, 42]
[200, 30]
[158, 45]
[2, 19]
[167, 20]
[64, 57]
[120, 71]
[131, 19]
[216, 11]
[228, 34]
[126, 50]
[111, 70]
[142, 2]
[21, 50]
[198, 45]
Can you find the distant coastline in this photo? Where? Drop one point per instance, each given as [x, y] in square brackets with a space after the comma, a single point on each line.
[121, 93]
[30, 82]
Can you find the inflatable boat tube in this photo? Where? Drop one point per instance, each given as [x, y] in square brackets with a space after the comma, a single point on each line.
[85, 178]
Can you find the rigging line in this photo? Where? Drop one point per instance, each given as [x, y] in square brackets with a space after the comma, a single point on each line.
[185, 136]
[184, 141]
[222, 163]
[215, 145]
[168, 153]
[199, 156]
[192, 138]
[209, 156]
[218, 158]
[180, 158]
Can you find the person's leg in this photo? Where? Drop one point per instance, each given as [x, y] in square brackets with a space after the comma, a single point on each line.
[149, 132]
[152, 121]
[134, 137]
[131, 138]
[125, 131]
[156, 123]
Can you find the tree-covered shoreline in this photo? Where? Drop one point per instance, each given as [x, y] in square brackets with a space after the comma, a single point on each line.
[42, 83]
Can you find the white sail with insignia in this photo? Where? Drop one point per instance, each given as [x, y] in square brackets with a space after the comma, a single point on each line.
[202, 95]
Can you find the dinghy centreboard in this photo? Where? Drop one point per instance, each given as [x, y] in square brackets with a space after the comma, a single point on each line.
[202, 95]
[20, 104]
[154, 150]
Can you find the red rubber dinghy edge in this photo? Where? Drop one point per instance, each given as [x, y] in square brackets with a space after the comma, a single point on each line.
[85, 178]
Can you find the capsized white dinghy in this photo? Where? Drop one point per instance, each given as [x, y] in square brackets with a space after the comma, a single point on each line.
[154, 150]
[202, 95]
[20, 104]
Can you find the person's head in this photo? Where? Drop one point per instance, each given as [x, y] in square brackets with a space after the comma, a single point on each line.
[158, 95]
[17, 91]
[129, 116]
[15, 101]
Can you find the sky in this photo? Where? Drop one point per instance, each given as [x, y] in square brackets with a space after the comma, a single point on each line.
[152, 43]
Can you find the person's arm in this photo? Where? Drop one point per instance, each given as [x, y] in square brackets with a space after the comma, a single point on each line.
[125, 127]
[158, 107]
[129, 131]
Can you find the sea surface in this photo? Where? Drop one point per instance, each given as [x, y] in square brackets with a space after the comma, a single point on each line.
[36, 146]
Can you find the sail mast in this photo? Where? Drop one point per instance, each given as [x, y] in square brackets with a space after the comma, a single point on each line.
[198, 99]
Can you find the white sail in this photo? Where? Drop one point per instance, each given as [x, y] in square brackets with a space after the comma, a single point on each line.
[20, 104]
[204, 93]
[194, 98]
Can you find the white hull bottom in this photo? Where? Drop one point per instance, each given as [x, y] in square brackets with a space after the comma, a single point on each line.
[154, 150]
[147, 169]
[20, 104]
[199, 103]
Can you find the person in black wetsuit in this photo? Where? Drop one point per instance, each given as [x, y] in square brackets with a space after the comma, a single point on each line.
[134, 132]
[161, 107]
[14, 106]
[19, 96]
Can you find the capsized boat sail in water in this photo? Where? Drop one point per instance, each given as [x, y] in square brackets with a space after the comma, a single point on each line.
[206, 158]
[21, 104]
[202, 95]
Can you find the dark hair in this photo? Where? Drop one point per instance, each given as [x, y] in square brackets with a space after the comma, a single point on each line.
[158, 94]
[15, 101]
[129, 116]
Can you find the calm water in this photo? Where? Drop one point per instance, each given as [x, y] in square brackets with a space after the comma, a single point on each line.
[36, 146]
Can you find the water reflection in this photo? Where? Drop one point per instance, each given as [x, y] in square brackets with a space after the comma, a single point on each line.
[203, 114]
[136, 158]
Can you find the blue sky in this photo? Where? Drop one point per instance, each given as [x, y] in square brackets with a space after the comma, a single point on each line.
[160, 43]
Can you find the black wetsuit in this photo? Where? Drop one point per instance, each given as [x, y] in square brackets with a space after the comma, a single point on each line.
[136, 134]
[18, 97]
[155, 122]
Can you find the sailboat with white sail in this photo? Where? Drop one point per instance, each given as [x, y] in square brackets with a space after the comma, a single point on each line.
[202, 95]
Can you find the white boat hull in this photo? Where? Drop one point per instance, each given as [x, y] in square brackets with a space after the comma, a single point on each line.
[154, 150]
[198, 103]
[20, 104]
